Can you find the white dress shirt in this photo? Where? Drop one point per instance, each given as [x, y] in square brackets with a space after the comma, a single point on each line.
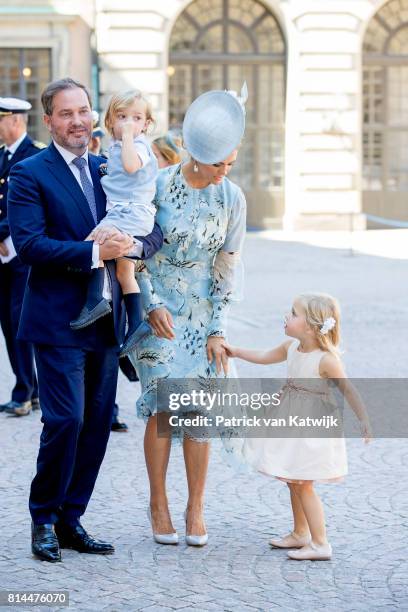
[13, 147]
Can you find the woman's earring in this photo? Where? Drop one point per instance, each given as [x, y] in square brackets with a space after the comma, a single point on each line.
[195, 167]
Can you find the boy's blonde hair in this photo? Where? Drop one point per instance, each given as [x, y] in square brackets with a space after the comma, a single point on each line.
[318, 307]
[122, 101]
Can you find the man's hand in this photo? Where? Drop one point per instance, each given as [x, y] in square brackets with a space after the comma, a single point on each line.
[162, 322]
[3, 249]
[115, 247]
[216, 350]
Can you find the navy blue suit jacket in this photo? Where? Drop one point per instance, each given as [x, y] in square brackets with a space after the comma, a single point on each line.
[49, 219]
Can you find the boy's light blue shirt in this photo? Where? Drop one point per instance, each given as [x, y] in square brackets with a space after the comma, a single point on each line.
[139, 186]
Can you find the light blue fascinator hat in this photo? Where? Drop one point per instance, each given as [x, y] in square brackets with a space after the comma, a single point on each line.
[214, 125]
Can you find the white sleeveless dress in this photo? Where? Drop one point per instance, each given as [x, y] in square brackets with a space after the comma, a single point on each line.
[301, 458]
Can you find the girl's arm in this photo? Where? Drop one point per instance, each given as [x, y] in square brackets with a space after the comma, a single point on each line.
[275, 355]
[331, 367]
[130, 159]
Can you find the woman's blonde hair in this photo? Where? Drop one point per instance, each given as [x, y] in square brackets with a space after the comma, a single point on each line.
[121, 101]
[170, 147]
[318, 308]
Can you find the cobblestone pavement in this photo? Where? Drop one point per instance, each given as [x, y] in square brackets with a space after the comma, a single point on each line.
[366, 515]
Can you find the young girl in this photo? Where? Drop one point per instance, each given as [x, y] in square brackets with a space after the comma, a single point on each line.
[315, 324]
[167, 149]
[129, 186]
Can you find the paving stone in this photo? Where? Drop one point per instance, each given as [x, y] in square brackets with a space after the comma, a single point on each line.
[366, 515]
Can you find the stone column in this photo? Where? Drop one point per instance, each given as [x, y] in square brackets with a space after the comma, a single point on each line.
[327, 110]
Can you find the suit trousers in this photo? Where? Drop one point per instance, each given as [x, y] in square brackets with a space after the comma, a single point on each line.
[77, 394]
[13, 279]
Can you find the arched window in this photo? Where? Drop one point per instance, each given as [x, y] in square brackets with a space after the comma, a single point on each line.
[385, 112]
[219, 44]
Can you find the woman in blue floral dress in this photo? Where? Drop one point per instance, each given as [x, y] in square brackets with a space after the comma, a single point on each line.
[187, 288]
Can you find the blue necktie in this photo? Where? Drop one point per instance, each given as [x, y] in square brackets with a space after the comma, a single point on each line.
[87, 186]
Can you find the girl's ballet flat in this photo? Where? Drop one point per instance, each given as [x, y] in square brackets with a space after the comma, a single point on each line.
[311, 552]
[290, 541]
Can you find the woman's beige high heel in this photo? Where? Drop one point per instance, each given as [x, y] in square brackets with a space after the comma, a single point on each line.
[195, 540]
[162, 538]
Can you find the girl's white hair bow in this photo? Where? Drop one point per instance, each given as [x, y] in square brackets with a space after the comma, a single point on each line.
[328, 324]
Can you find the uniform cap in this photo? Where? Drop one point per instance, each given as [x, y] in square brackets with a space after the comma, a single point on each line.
[13, 106]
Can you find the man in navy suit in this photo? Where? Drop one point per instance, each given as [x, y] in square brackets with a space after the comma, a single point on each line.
[13, 273]
[55, 200]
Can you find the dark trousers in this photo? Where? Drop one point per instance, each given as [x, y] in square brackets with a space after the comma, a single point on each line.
[13, 279]
[77, 395]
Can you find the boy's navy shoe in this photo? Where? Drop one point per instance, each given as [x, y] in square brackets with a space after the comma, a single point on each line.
[134, 338]
[90, 315]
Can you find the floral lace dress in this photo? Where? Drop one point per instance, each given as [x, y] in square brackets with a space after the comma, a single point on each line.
[195, 275]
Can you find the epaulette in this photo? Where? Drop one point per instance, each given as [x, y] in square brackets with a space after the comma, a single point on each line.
[39, 145]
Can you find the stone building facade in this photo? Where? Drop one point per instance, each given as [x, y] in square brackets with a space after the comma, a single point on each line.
[327, 127]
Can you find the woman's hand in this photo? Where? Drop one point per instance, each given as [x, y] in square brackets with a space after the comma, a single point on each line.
[216, 350]
[162, 322]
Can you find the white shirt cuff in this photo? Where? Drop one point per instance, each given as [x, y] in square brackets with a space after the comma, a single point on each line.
[137, 250]
[95, 255]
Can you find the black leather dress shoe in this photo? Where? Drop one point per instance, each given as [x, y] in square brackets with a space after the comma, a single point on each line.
[75, 537]
[44, 543]
[4, 406]
[18, 408]
[35, 403]
[119, 427]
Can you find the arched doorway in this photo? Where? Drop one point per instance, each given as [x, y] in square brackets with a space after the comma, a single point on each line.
[385, 112]
[219, 44]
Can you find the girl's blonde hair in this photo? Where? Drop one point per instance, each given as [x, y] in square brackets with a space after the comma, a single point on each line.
[170, 147]
[318, 307]
[121, 101]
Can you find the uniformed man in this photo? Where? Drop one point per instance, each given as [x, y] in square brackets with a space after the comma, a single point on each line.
[17, 145]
